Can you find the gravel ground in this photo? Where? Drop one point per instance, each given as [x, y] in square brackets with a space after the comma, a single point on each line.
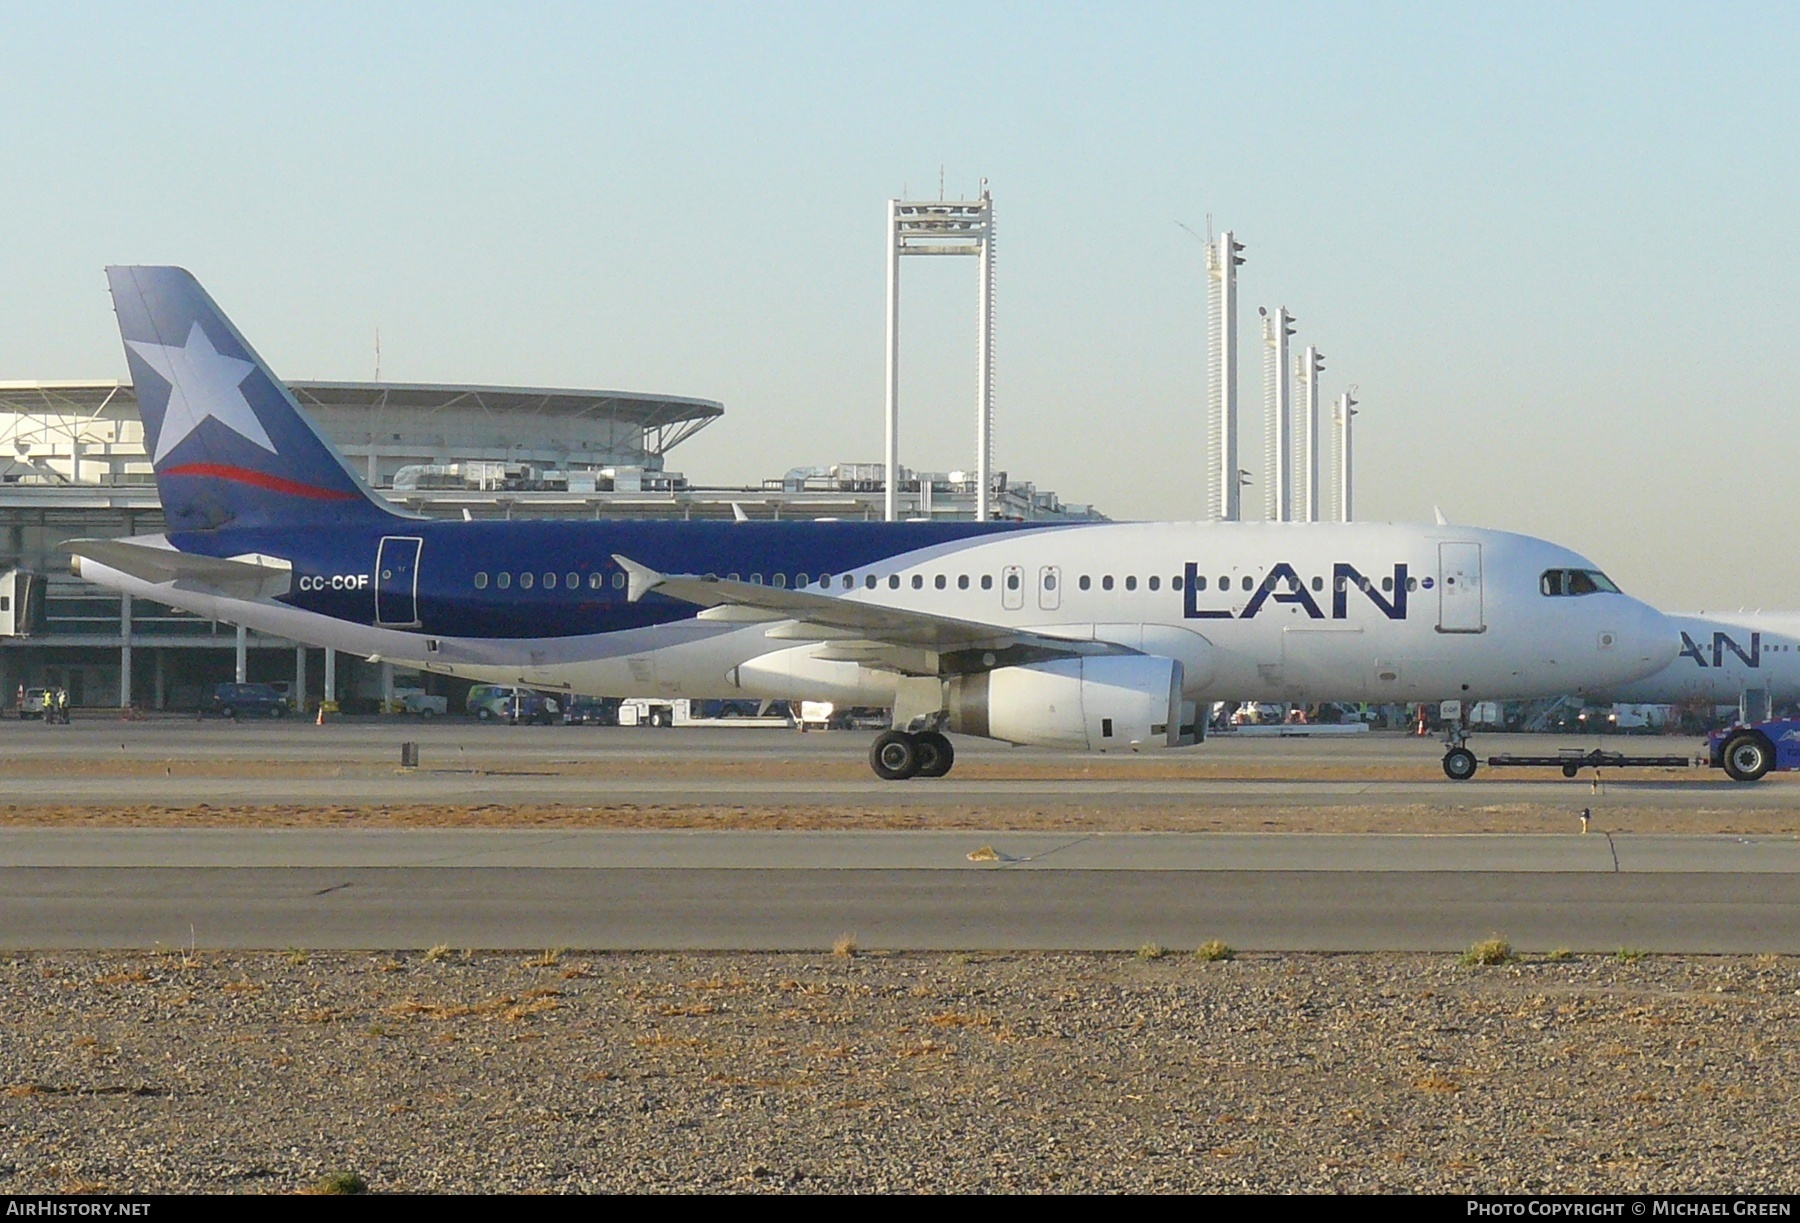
[1102, 814]
[487, 1072]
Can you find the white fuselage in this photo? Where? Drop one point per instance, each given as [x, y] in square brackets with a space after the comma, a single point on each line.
[1720, 657]
[1253, 611]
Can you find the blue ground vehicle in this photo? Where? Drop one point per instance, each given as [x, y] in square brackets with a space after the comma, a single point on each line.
[1748, 752]
[232, 700]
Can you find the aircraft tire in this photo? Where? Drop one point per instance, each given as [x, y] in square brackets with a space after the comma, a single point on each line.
[1459, 764]
[936, 756]
[229, 713]
[894, 756]
[1747, 756]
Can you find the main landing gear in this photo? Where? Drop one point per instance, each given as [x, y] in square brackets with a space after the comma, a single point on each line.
[897, 755]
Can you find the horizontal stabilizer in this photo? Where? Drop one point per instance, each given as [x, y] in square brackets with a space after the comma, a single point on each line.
[252, 576]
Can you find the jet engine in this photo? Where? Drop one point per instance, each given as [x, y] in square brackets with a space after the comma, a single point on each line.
[1093, 704]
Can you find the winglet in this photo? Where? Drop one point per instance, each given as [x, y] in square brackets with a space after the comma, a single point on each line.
[1441, 520]
[642, 580]
[737, 513]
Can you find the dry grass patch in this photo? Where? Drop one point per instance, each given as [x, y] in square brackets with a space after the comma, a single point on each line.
[509, 1007]
[925, 1048]
[1214, 950]
[335, 1184]
[128, 977]
[845, 946]
[550, 959]
[959, 1019]
[1438, 1084]
[1488, 953]
[1152, 951]
[438, 954]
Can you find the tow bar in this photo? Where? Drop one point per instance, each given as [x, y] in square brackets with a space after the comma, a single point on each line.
[1571, 760]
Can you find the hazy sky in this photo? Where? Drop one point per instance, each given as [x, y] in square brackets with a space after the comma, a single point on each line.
[1554, 246]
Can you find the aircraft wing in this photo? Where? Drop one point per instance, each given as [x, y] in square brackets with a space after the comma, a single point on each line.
[855, 631]
[250, 576]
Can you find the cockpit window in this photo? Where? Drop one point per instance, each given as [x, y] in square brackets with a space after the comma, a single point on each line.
[1558, 582]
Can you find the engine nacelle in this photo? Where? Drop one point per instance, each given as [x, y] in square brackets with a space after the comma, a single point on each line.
[1109, 702]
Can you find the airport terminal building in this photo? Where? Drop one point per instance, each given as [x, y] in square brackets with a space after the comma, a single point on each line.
[73, 465]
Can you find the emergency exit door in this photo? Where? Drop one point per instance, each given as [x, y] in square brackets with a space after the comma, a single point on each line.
[1459, 589]
[397, 581]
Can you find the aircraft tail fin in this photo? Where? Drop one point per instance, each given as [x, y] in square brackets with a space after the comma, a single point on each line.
[228, 441]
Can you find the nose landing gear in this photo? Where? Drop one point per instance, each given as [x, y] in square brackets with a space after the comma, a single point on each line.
[1459, 764]
[1459, 761]
[897, 756]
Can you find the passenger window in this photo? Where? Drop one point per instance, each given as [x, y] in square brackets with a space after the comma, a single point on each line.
[918, 581]
[800, 583]
[987, 581]
[1224, 583]
[1175, 583]
[869, 581]
[1318, 583]
[939, 581]
[1387, 583]
[503, 580]
[1248, 584]
[849, 580]
[573, 581]
[1106, 582]
[549, 581]
[779, 581]
[731, 577]
[481, 581]
[1131, 583]
[1199, 581]
[1085, 582]
[756, 579]
[893, 581]
[1412, 584]
[618, 581]
[595, 581]
[1049, 581]
[525, 581]
[962, 581]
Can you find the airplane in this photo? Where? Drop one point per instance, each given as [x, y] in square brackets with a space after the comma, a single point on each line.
[1095, 637]
[1721, 657]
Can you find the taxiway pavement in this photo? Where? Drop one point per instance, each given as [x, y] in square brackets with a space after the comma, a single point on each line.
[896, 890]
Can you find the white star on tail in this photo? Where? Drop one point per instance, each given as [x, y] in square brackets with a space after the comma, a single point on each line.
[202, 382]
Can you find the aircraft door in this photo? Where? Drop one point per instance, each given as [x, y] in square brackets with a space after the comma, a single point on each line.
[1459, 589]
[397, 581]
[1050, 587]
[1012, 588]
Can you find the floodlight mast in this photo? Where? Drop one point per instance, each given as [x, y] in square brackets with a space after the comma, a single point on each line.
[1278, 422]
[1346, 409]
[944, 227]
[1224, 487]
[1307, 368]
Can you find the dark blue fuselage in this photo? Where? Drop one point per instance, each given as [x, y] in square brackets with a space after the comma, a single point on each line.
[539, 579]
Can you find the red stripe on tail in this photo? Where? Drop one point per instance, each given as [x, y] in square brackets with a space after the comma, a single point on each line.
[243, 475]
